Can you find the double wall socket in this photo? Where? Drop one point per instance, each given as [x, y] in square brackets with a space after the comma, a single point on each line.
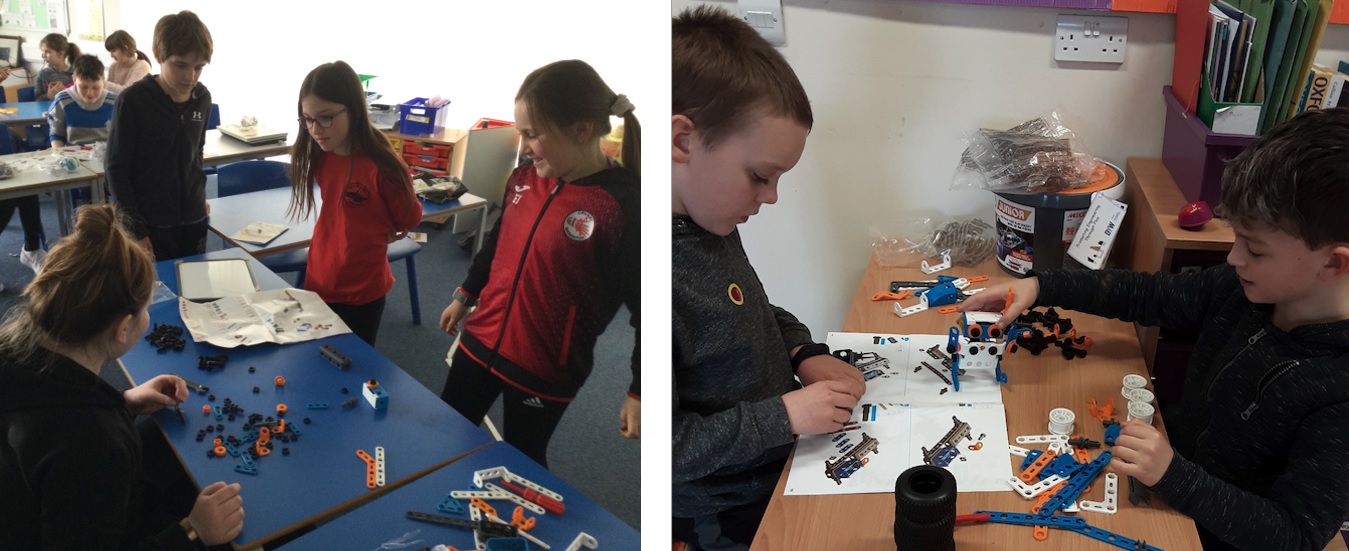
[1091, 38]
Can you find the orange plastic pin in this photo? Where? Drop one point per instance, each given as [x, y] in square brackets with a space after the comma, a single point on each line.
[281, 409]
[280, 381]
[220, 451]
[206, 409]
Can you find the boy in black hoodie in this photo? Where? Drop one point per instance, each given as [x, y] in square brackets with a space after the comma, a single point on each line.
[1259, 447]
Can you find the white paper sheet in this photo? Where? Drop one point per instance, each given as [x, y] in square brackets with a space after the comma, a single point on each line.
[279, 316]
[903, 412]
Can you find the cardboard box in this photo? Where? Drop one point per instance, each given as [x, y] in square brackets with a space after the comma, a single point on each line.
[1195, 155]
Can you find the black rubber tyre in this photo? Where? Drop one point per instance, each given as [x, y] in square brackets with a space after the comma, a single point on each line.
[936, 536]
[925, 494]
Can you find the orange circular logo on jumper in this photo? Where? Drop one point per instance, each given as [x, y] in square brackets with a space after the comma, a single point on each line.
[737, 296]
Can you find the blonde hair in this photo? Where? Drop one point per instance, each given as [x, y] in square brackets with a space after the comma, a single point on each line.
[88, 281]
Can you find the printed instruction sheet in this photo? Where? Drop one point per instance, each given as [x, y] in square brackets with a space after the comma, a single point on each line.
[910, 415]
[280, 316]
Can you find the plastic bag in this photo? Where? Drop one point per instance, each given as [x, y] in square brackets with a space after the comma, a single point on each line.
[1039, 155]
[969, 242]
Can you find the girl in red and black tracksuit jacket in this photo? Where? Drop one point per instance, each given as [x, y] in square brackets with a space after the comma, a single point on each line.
[368, 197]
[561, 260]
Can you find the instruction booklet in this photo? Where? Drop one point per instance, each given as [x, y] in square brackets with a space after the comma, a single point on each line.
[280, 316]
[910, 415]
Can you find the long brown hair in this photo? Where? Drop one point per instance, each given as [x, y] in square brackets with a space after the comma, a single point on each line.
[121, 41]
[88, 281]
[58, 42]
[563, 93]
[337, 82]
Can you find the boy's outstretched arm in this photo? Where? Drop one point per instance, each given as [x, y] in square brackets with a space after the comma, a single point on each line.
[1168, 300]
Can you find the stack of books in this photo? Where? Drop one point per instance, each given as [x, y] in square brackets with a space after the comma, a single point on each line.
[1257, 58]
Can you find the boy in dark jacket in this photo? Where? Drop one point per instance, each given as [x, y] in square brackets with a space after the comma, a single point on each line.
[1259, 446]
[740, 122]
[156, 142]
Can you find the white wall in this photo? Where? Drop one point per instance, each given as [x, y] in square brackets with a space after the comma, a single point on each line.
[475, 53]
[895, 84]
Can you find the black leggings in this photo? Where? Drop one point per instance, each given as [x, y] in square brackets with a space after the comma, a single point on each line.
[30, 216]
[528, 421]
[363, 319]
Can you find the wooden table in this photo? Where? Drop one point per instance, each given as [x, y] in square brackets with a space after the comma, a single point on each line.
[30, 182]
[1036, 384]
[1153, 239]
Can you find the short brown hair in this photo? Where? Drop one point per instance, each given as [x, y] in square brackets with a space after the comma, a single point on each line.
[1294, 178]
[87, 67]
[725, 73]
[182, 33]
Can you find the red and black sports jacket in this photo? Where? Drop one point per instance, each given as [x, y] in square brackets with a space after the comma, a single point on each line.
[551, 276]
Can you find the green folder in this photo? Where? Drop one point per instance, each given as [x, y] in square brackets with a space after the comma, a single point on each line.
[1277, 102]
[1318, 13]
[1262, 11]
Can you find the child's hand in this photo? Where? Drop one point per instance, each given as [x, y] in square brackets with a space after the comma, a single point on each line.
[218, 514]
[1142, 452]
[450, 318]
[155, 394]
[395, 235]
[630, 418]
[994, 299]
[54, 88]
[819, 408]
[828, 368]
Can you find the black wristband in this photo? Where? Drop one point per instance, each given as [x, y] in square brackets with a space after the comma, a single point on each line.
[808, 351]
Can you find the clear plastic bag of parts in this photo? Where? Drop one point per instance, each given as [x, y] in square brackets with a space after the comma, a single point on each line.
[969, 241]
[1039, 155]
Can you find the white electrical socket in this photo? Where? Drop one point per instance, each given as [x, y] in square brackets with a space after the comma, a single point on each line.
[1091, 38]
[764, 16]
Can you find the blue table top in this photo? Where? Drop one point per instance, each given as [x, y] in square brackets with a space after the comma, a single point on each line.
[322, 472]
[28, 111]
[383, 520]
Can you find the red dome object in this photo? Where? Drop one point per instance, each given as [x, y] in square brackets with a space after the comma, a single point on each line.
[1194, 215]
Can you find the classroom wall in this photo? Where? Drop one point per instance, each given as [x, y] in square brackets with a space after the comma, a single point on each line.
[475, 53]
[895, 86]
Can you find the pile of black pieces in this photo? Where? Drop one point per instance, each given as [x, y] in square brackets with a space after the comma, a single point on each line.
[166, 336]
[1052, 327]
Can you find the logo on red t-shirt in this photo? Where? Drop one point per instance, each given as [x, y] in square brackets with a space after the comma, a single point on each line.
[579, 225]
[355, 195]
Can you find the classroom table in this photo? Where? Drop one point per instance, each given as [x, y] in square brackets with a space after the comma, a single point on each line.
[384, 520]
[233, 213]
[28, 112]
[217, 149]
[1035, 385]
[30, 182]
[320, 474]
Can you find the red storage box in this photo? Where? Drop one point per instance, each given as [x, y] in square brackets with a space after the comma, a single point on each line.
[436, 163]
[427, 149]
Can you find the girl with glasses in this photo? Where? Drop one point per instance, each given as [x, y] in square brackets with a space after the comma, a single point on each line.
[561, 261]
[368, 200]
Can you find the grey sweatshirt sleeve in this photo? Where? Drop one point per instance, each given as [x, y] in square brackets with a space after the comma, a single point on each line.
[794, 333]
[703, 444]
